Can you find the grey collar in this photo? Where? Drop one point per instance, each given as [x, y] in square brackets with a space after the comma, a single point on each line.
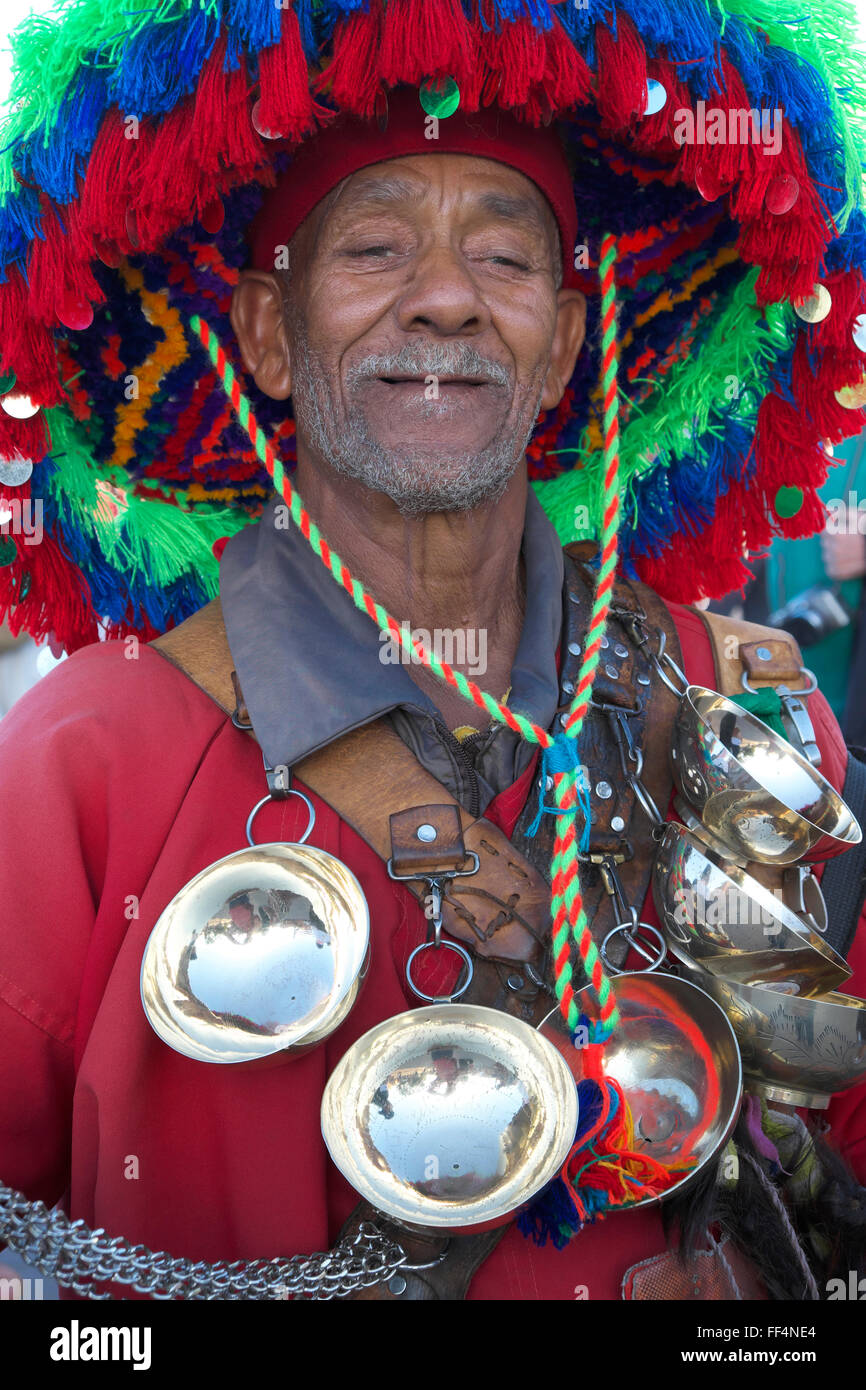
[309, 663]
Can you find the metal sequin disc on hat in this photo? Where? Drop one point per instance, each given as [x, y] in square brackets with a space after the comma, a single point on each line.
[14, 472]
[859, 332]
[782, 194]
[259, 127]
[852, 397]
[709, 184]
[656, 96]
[816, 308]
[75, 312]
[20, 407]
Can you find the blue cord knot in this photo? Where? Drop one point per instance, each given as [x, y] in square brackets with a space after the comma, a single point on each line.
[561, 756]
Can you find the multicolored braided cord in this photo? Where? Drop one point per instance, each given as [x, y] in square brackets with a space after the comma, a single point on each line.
[559, 753]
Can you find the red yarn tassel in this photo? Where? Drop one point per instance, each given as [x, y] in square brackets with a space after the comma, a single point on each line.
[516, 60]
[53, 272]
[27, 439]
[223, 139]
[430, 38]
[353, 74]
[848, 291]
[567, 79]
[622, 74]
[110, 178]
[58, 601]
[285, 103]
[27, 347]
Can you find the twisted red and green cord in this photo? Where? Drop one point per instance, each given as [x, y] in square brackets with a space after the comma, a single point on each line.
[569, 917]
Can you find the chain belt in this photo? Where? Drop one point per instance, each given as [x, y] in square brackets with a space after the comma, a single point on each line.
[78, 1258]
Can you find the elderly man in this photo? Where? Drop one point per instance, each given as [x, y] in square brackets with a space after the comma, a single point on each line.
[424, 320]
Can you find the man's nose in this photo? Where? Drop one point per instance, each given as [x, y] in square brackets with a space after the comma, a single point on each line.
[443, 296]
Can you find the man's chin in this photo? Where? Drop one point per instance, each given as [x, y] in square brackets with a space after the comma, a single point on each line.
[421, 483]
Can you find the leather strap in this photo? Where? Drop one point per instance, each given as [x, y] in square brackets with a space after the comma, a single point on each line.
[369, 774]
[636, 682]
[503, 910]
[739, 648]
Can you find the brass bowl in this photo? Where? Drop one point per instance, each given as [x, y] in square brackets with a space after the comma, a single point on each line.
[676, 1058]
[260, 955]
[754, 792]
[717, 915]
[799, 1051]
[450, 1118]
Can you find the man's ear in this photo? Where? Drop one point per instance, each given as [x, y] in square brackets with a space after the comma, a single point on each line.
[567, 342]
[256, 316]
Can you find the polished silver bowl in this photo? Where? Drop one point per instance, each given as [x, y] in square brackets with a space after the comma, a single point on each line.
[754, 792]
[260, 955]
[717, 915]
[676, 1058]
[795, 1050]
[450, 1118]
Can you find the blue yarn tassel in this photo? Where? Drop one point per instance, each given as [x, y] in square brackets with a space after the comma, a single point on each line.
[563, 755]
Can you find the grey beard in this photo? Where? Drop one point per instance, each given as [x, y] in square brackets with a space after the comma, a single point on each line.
[414, 487]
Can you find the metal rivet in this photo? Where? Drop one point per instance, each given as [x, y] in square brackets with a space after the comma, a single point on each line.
[604, 644]
[574, 598]
[515, 982]
[563, 719]
[426, 832]
[620, 651]
[617, 823]
[397, 1284]
[604, 790]
[568, 687]
[574, 648]
[548, 784]
[643, 680]
[763, 654]
[612, 672]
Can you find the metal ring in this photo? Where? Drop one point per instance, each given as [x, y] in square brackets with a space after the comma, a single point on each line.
[443, 998]
[804, 671]
[264, 801]
[646, 800]
[629, 928]
[658, 657]
[431, 1264]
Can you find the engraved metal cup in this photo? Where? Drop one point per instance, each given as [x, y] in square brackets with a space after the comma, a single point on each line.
[450, 1118]
[676, 1058]
[795, 1050]
[261, 955]
[722, 918]
[757, 796]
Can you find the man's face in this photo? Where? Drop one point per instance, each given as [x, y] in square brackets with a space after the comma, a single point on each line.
[424, 328]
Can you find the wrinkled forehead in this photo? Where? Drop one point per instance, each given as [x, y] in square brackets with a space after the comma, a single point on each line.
[484, 186]
[512, 151]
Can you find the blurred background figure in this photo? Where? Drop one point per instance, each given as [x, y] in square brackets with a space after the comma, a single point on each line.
[20, 667]
[814, 589]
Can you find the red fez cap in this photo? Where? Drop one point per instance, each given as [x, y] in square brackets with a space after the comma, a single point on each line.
[350, 144]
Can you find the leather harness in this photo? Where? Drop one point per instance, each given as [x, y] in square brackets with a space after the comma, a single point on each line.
[502, 911]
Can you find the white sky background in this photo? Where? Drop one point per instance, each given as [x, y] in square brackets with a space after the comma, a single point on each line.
[13, 11]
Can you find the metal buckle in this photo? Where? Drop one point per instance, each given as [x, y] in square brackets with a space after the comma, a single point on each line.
[629, 752]
[435, 883]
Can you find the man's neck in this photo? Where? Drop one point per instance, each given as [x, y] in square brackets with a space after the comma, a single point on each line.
[440, 570]
[445, 573]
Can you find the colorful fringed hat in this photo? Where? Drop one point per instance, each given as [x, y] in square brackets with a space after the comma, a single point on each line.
[135, 156]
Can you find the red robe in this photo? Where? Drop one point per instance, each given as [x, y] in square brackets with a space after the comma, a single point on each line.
[119, 781]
